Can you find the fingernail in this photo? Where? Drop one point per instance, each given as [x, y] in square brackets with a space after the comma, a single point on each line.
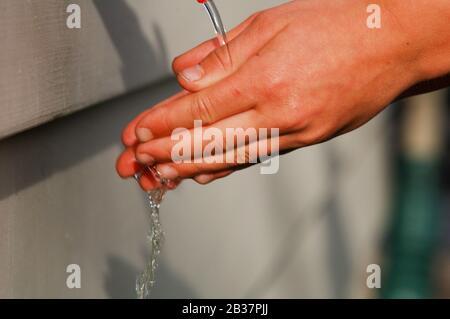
[144, 134]
[193, 73]
[144, 158]
[167, 171]
[172, 185]
[204, 179]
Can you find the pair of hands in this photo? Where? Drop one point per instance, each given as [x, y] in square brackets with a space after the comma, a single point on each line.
[312, 68]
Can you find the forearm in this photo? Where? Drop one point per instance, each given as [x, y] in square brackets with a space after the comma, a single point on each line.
[427, 33]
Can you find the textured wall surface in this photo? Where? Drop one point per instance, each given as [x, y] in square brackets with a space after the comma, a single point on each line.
[48, 70]
[309, 231]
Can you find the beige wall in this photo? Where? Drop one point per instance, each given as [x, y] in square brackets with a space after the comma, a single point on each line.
[49, 70]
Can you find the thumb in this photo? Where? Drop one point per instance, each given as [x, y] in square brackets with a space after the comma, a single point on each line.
[199, 53]
[226, 60]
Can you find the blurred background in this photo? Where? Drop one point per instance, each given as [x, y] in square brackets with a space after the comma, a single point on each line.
[378, 195]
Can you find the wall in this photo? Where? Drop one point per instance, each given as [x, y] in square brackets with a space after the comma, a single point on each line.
[49, 70]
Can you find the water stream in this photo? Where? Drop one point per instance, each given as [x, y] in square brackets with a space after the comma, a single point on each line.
[146, 280]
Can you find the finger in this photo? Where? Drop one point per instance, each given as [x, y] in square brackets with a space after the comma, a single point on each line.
[242, 157]
[225, 60]
[205, 179]
[200, 52]
[127, 165]
[129, 133]
[168, 148]
[245, 155]
[148, 182]
[231, 96]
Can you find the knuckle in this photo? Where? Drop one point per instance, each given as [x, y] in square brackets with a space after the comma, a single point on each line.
[315, 135]
[202, 109]
[254, 15]
[263, 18]
[276, 84]
[221, 58]
[322, 134]
[201, 181]
[163, 116]
[273, 86]
[289, 114]
[242, 155]
[168, 125]
[304, 139]
[291, 122]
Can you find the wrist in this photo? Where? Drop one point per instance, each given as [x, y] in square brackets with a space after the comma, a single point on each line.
[425, 36]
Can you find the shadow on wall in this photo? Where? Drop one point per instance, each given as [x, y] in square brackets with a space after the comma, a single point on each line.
[139, 58]
[37, 154]
[339, 258]
[121, 277]
[325, 211]
[40, 152]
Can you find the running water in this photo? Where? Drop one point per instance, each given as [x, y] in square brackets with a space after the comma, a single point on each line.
[146, 281]
[216, 20]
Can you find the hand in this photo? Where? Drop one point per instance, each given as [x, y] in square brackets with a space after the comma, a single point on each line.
[310, 68]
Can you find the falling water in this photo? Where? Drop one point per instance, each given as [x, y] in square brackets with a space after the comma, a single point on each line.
[216, 20]
[146, 279]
